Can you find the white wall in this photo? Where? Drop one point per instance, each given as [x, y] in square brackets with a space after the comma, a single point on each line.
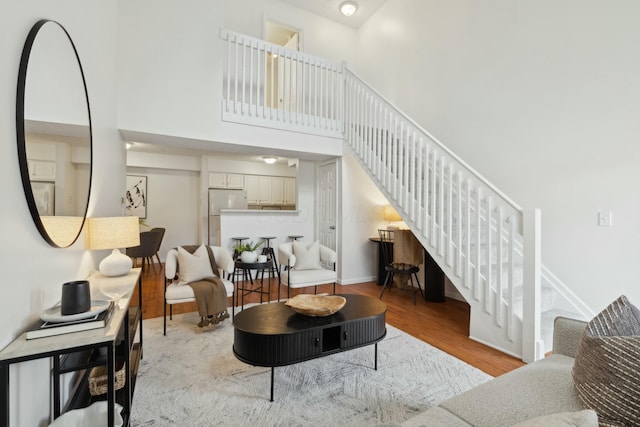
[171, 79]
[361, 213]
[542, 99]
[33, 272]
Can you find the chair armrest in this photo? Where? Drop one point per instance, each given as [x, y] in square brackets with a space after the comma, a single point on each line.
[285, 255]
[327, 255]
[171, 264]
[223, 259]
[566, 335]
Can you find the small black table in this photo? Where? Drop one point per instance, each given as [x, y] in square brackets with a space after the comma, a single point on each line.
[274, 335]
[247, 286]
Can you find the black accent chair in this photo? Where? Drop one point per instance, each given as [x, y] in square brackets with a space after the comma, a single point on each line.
[396, 268]
[149, 244]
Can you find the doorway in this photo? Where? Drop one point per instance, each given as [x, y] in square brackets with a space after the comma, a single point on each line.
[326, 218]
[282, 72]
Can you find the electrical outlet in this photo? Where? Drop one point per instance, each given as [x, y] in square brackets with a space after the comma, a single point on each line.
[604, 219]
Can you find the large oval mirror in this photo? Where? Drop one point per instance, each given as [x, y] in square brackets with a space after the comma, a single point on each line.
[53, 125]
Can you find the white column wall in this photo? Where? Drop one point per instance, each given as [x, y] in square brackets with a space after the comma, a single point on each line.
[361, 211]
[33, 272]
[542, 99]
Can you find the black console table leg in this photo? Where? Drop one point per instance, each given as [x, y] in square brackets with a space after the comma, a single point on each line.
[4, 395]
[375, 357]
[272, 369]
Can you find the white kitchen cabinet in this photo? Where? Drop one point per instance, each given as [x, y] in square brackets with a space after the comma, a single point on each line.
[226, 180]
[258, 189]
[277, 190]
[42, 170]
[289, 191]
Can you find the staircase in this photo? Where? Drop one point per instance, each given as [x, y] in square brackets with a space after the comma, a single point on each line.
[488, 247]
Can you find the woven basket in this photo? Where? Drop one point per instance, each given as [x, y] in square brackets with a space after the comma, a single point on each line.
[98, 381]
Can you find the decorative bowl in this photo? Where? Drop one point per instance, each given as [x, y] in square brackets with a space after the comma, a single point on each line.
[316, 305]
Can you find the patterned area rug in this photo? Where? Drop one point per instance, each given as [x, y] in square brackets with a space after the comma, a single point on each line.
[191, 378]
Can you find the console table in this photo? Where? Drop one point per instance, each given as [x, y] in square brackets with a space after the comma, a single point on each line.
[81, 351]
[273, 335]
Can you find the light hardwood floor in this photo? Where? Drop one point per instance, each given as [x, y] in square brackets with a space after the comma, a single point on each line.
[443, 325]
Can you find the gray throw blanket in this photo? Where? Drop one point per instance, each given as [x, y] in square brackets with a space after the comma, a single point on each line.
[210, 293]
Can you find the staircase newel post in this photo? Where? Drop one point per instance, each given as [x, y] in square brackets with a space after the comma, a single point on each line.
[532, 347]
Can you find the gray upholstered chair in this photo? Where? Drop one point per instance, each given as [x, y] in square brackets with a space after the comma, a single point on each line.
[305, 268]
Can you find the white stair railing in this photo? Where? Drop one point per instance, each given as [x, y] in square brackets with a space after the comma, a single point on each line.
[467, 225]
[475, 233]
[267, 84]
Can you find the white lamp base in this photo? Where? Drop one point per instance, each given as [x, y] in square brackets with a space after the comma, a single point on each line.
[116, 264]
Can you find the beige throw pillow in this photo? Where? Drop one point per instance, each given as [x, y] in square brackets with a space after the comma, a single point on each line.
[605, 372]
[192, 268]
[307, 256]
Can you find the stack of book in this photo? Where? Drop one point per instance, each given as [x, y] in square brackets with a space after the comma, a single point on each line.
[47, 329]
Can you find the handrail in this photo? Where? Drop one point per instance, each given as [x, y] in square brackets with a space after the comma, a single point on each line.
[440, 144]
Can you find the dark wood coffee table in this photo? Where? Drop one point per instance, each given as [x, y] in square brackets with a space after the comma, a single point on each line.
[274, 335]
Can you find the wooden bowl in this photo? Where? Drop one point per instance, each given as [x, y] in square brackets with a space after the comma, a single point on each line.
[316, 305]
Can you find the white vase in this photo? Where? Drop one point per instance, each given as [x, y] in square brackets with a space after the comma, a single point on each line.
[249, 257]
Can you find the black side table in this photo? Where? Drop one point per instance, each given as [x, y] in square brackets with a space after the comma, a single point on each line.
[246, 286]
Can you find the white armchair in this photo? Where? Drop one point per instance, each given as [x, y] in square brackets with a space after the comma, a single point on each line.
[175, 293]
[306, 264]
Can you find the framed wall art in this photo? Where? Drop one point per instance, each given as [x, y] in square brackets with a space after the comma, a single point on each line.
[136, 197]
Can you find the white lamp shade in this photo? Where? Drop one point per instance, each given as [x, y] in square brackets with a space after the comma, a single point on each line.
[114, 233]
[62, 229]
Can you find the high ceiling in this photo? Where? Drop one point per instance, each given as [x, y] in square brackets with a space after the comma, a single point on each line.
[330, 9]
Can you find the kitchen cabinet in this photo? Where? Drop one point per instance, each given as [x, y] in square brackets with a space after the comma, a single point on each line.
[277, 190]
[259, 190]
[40, 170]
[289, 190]
[226, 180]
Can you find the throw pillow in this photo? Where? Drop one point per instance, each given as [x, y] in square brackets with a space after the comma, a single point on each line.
[307, 256]
[606, 365]
[585, 418]
[193, 267]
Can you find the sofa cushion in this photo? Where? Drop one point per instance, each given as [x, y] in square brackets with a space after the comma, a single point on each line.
[539, 388]
[606, 365]
[584, 418]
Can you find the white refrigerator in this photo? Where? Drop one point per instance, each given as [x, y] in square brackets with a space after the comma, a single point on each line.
[223, 199]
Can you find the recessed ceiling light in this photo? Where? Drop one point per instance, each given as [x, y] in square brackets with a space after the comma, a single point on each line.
[129, 145]
[348, 8]
[269, 159]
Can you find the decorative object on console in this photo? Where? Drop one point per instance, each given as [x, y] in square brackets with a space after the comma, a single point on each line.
[52, 323]
[316, 305]
[392, 216]
[114, 233]
[76, 297]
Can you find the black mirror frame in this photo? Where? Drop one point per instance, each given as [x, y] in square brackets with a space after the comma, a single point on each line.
[20, 131]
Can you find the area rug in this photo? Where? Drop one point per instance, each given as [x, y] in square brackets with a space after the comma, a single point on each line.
[190, 377]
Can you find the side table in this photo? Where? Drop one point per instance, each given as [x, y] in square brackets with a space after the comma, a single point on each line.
[245, 286]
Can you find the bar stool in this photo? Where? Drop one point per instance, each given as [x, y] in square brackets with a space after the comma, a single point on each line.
[268, 251]
[295, 237]
[238, 241]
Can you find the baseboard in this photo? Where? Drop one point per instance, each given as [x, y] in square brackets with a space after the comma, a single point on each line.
[356, 280]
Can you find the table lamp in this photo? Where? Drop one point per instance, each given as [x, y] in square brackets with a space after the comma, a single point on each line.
[114, 233]
[391, 215]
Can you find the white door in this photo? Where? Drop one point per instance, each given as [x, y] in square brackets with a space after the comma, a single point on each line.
[327, 205]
